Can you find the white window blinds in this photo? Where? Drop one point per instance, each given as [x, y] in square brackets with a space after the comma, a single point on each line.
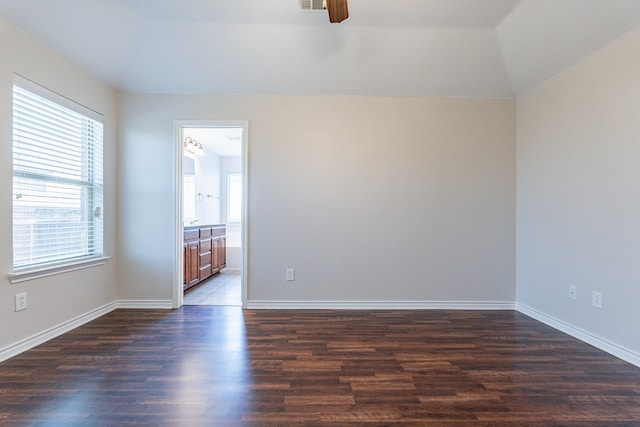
[57, 178]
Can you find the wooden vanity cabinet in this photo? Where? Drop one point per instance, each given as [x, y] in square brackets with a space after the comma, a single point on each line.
[205, 256]
[191, 249]
[222, 255]
[218, 250]
[204, 252]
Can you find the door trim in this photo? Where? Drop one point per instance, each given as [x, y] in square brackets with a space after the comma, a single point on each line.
[178, 223]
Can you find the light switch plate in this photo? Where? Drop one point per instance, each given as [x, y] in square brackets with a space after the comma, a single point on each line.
[596, 299]
[291, 274]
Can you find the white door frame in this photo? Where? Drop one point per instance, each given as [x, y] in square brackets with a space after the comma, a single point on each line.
[179, 125]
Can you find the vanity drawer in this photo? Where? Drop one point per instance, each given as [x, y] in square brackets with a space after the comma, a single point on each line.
[191, 234]
[219, 231]
[205, 245]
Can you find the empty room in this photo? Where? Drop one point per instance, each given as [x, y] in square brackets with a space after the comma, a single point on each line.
[422, 212]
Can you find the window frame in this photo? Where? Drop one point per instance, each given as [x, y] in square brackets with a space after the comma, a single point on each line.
[95, 252]
[233, 176]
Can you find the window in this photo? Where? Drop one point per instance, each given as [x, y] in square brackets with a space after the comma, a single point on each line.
[57, 179]
[235, 197]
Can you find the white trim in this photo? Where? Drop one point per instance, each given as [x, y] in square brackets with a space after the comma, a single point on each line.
[178, 220]
[584, 336]
[145, 304]
[49, 334]
[19, 276]
[177, 291]
[244, 273]
[64, 327]
[380, 305]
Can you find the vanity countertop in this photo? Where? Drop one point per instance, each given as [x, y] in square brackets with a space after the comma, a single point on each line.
[196, 226]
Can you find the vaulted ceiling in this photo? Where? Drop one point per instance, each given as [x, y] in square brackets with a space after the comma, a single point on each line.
[461, 48]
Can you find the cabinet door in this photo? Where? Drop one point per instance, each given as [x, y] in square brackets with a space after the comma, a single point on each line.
[191, 265]
[222, 251]
[215, 255]
[185, 266]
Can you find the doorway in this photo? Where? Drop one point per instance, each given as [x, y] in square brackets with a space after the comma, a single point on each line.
[211, 226]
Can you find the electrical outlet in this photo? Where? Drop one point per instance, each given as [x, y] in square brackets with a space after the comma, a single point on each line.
[291, 274]
[596, 299]
[21, 301]
[573, 292]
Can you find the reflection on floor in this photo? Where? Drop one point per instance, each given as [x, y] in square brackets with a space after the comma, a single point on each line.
[222, 289]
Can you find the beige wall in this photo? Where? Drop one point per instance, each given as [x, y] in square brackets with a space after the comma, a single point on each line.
[578, 194]
[369, 199]
[54, 299]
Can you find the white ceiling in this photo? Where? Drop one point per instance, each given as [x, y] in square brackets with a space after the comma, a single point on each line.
[225, 142]
[463, 48]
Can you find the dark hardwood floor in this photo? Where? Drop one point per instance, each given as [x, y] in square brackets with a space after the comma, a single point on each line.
[224, 366]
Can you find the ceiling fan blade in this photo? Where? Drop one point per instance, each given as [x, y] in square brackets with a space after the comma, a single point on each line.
[338, 10]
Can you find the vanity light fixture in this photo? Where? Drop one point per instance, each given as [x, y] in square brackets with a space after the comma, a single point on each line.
[194, 147]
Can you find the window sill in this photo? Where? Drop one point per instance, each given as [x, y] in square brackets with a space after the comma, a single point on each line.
[51, 270]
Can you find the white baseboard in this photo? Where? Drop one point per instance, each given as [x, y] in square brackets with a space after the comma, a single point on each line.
[585, 336]
[380, 305]
[146, 304]
[48, 334]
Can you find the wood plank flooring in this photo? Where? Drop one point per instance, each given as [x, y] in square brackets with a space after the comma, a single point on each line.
[219, 366]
